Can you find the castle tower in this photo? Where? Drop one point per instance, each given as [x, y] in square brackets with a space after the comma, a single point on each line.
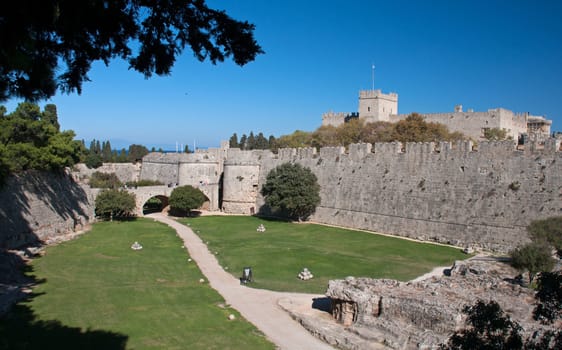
[375, 106]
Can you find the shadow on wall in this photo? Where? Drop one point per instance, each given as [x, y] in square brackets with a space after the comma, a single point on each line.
[37, 205]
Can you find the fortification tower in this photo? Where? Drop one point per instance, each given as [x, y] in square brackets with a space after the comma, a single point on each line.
[375, 106]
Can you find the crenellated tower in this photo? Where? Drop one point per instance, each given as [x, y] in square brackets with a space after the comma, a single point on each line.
[376, 106]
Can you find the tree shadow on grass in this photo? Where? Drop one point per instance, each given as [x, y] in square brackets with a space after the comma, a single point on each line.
[20, 329]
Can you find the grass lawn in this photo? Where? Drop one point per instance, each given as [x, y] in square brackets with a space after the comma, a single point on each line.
[97, 293]
[279, 254]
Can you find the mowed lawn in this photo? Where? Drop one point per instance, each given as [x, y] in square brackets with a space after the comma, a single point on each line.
[98, 293]
[279, 254]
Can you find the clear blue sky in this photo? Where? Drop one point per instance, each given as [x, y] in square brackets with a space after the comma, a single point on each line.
[435, 54]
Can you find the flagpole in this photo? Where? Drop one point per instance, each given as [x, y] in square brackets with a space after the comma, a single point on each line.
[373, 76]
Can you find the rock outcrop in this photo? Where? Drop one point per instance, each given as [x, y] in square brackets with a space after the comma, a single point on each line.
[421, 315]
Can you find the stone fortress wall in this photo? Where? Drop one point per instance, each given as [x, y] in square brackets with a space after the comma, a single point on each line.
[482, 196]
[446, 193]
[201, 169]
[39, 206]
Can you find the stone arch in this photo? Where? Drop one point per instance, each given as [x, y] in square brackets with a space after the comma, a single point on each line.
[147, 208]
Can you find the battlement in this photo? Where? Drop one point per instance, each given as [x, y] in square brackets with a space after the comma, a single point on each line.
[208, 156]
[459, 149]
[334, 118]
[392, 96]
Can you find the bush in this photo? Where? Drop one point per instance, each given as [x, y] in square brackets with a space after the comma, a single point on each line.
[487, 328]
[93, 161]
[292, 190]
[115, 204]
[533, 257]
[548, 231]
[104, 180]
[549, 296]
[186, 198]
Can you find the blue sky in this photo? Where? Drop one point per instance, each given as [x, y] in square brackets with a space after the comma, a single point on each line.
[434, 54]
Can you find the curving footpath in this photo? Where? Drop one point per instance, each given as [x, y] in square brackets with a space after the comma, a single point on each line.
[260, 307]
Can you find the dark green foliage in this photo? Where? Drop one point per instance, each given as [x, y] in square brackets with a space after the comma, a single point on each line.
[549, 297]
[30, 139]
[42, 38]
[93, 161]
[104, 180]
[292, 190]
[533, 257]
[115, 204]
[136, 152]
[186, 198]
[233, 141]
[548, 340]
[251, 142]
[548, 231]
[488, 328]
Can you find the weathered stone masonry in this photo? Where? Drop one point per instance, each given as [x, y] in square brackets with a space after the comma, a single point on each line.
[483, 198]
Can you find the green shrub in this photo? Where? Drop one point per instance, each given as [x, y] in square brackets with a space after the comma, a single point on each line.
[115, 204]
[186, 198]
[104, 180]
[292, 190]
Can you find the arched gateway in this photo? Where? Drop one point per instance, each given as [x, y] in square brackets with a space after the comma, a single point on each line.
[143, 194]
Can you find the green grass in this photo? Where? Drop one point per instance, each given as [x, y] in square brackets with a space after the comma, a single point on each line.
[279, 254]
[98, 293]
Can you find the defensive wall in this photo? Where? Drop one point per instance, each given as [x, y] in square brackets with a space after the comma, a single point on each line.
[124, 171]
[36, 206]
[473, 123]
[481, 197]
[202, 170]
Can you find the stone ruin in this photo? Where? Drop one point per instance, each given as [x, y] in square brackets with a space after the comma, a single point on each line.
[388, 314]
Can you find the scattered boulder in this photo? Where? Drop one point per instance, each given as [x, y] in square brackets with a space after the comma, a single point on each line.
[305, 274]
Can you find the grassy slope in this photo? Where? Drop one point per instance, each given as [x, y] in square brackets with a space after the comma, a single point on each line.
[152, 296]
[279, 254]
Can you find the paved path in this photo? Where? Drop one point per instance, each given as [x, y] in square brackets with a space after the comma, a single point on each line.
[258, 306]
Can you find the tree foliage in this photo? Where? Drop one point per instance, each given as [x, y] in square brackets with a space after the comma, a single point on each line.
[104, 180]
[187, 198]
[415, 129]
[548, 231]
[495, 134]
[487, 328]
[41, 38]
[115, 204]
[292, 190]
[549, 297]
[533, 257]
[30, 139]
[136, 152]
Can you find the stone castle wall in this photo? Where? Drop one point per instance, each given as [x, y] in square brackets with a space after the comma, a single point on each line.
[473, 123]
[124, 171]
[437, 192]
[38, 206]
